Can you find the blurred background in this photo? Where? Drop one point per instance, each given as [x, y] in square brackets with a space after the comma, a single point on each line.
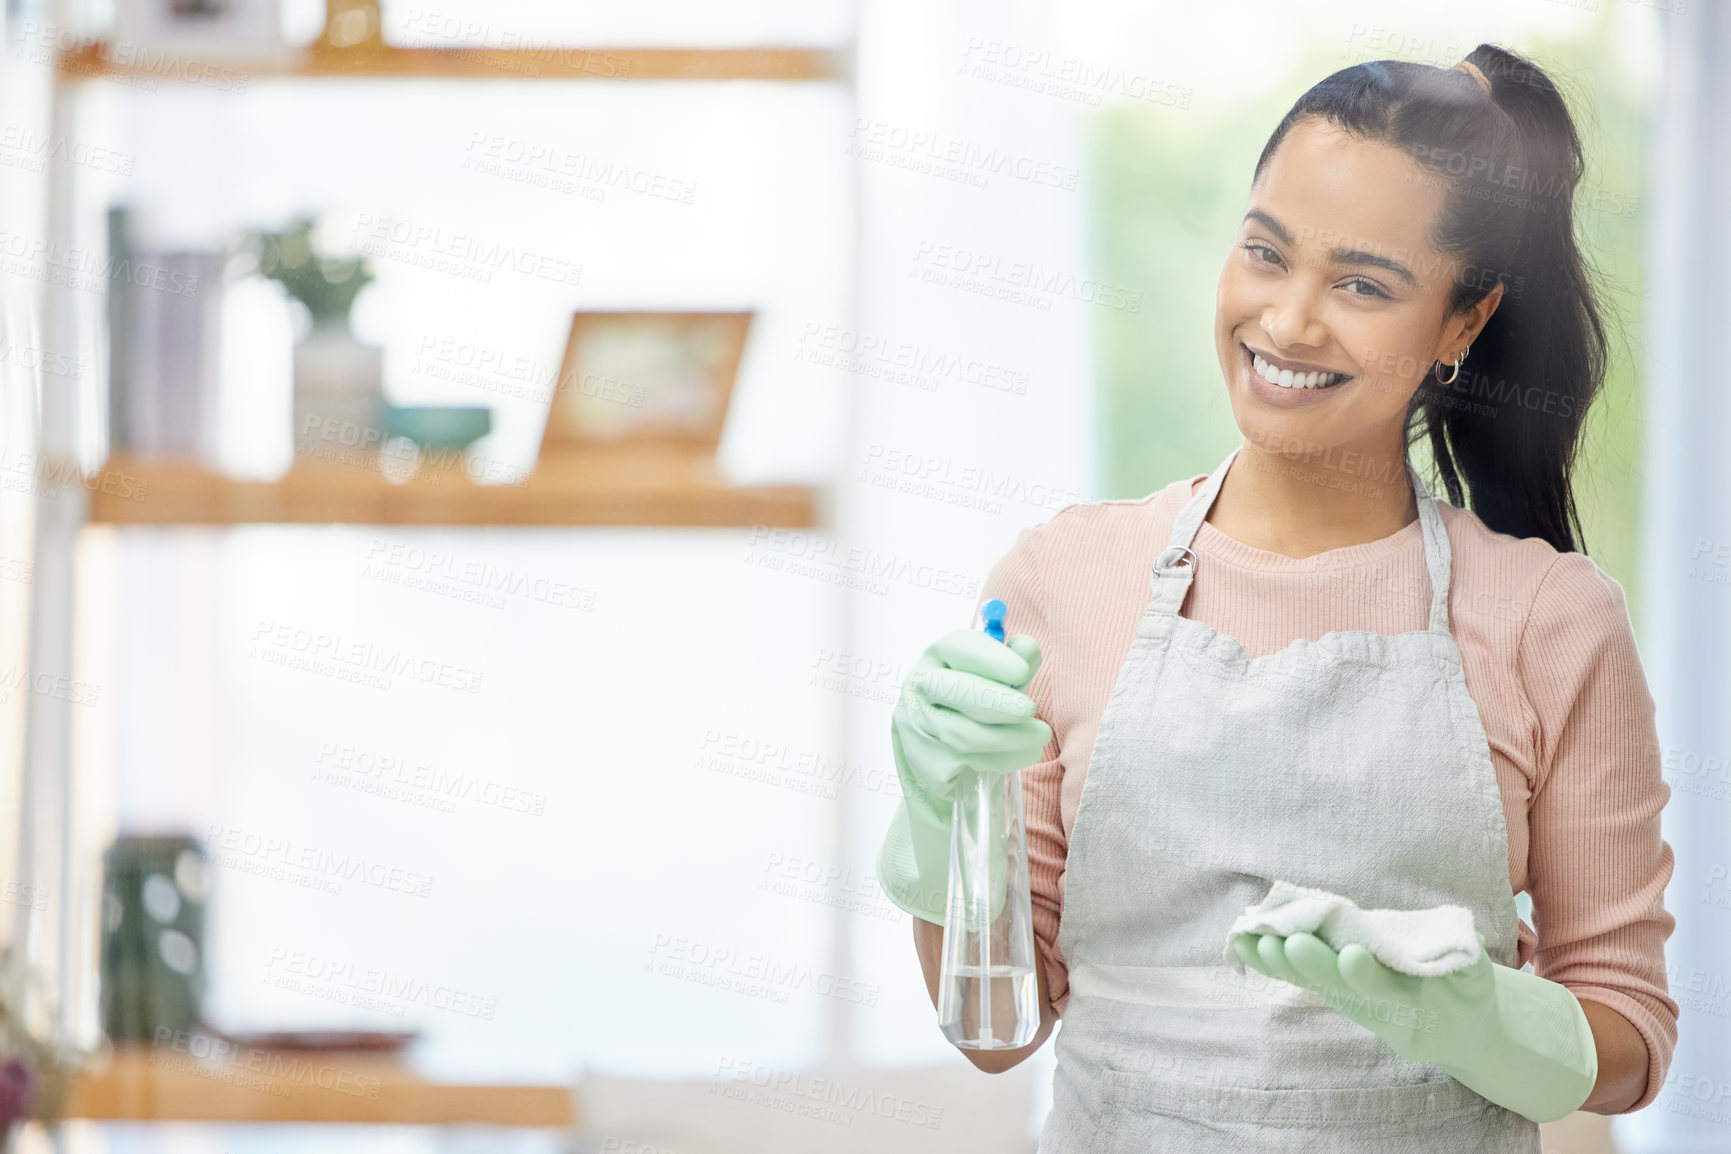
[474, 475]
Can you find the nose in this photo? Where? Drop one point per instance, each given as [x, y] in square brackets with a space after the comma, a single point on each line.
[1291, 318]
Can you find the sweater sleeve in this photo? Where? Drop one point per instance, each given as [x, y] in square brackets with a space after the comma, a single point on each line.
[1598, 866]
[1016, 580]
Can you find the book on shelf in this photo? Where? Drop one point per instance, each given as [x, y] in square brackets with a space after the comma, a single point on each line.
[164, 362]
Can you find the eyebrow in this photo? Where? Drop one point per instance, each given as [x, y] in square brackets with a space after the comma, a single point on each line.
[1339, 255]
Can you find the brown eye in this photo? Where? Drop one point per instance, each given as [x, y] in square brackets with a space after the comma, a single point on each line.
[1370, 286]
[1262, 252]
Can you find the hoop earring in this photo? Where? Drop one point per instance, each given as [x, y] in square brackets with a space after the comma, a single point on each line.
[1450, 379]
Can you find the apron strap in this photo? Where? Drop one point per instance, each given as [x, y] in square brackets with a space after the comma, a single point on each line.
[1175, 568]
[1437, 554]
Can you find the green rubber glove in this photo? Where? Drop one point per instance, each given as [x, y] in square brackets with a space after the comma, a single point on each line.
[1515, 1038]
[961, 707]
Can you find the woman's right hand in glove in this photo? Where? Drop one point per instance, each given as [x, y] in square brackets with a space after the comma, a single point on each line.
[961, 707]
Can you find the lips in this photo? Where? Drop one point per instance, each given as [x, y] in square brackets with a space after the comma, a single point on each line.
[1299, 377]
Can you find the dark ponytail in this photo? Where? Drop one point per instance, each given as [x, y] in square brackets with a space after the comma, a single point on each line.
[1508, 425]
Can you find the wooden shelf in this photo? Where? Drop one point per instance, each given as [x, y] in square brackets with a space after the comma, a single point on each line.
[249, 1085]
[612, 488]
[97, 62]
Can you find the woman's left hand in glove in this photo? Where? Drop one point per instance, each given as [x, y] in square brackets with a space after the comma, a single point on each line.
[1515, 1038]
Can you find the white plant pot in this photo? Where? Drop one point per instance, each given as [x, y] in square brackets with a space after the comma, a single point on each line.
[338, 393]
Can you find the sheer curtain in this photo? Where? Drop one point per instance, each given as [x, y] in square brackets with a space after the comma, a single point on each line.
[1686, 642]
[40, 500]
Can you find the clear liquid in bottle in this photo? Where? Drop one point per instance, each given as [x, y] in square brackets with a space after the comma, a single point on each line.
[988, 998]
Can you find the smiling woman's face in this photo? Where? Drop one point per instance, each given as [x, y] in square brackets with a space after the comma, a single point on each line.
[1333, 286]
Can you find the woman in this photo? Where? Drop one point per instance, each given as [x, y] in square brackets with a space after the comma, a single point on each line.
[1304, 667]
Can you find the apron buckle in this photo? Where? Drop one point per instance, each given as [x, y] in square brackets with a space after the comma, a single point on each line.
[1174, 554]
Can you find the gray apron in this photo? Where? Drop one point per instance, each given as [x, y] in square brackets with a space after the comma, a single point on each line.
[1356, 763]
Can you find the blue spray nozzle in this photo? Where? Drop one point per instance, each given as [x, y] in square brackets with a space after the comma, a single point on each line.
[992, 613]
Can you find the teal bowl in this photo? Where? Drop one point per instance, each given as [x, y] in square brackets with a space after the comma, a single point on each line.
[438, 426]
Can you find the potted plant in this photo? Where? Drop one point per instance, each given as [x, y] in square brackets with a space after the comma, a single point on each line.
[338, 380]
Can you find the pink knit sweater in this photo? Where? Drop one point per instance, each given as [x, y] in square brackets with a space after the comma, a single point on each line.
[1549, 658]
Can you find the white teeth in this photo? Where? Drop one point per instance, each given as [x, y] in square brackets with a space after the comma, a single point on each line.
[1288, 379]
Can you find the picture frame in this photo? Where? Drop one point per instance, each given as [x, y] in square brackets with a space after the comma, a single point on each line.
[662, 378]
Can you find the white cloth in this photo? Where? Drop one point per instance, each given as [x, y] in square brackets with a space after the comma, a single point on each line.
[1426, 943]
